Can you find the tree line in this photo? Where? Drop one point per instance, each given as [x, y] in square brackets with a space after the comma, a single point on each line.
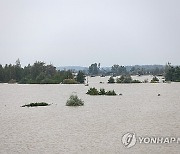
[38, 73]
[41, 73]
[116, 70]
[171, 73]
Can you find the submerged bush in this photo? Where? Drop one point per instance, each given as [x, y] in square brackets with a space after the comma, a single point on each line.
[102, 91]
[111, 92]
[124, 79]
[36, 104]
[111, 80]
[155, 80]
[74, 101]
[127, 79]
[136, 81]
[94, 91]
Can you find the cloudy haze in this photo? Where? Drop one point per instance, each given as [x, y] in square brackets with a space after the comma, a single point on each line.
[81, 32]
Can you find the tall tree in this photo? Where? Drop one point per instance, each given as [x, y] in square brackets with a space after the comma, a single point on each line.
[93, 69]
[18, 70]
[1, 74]
[80, 77]
[118, 70]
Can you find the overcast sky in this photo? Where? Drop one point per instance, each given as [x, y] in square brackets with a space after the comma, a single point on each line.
[81, 32]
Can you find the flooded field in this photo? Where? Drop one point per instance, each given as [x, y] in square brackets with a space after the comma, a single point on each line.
[97, 127]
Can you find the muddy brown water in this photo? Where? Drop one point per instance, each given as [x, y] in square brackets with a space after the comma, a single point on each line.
[97, 127]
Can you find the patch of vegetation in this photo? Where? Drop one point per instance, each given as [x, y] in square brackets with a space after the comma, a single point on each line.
[36, 104]
[38, 73]
[49, 81]
[12, 81]
[136, 81]
[155, 80]
[102, 91]
[74, 101]
[111, 93]
[124, 79]
[80, 77]
[172, 73]
[111, 80]
[69, 81]
[94, 91]
[127, 79]
[94, 69]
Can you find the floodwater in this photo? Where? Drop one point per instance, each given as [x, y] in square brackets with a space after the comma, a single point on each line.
[95, 128]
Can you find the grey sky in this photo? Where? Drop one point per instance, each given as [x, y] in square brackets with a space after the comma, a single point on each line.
[81, 32]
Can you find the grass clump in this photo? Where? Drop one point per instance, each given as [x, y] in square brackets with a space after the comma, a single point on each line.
[94, 91]
[36, 104]
[74, 101]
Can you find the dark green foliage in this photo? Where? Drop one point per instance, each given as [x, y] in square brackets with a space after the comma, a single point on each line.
[111, 80]
[94, 91]
[36, 104]
[69, 81]
[110, 93]
[38, 73]
[126, 79]
[74, 101]
[80, 77]
[94, 69]
[146, 70]
[136, 81]
[12, 81]
[49, 81]
[155, 80]
[118, 70]
[172, 73]
[102, 91]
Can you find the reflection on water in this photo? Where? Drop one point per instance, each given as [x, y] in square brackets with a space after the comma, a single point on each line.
[96, 127]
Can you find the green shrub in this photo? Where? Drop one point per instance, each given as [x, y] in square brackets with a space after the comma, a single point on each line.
[111, 80]
[36, 104]
[155, 80]
[93, 91]
[69, 81]
[110, 92]
[74, 101]
[136, 81]
[124, 79]
[81, 77]
[102, 91]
